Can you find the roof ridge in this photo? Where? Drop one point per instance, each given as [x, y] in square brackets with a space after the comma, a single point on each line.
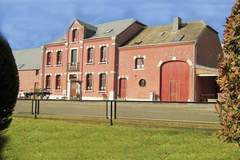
[127, 19]
[25, 49]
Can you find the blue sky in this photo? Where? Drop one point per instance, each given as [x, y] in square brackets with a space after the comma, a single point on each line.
[31, 23]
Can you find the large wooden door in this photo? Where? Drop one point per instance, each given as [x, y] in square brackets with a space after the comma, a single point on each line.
[174, 90]
[123, 88]
[73, 89]
[175, 81]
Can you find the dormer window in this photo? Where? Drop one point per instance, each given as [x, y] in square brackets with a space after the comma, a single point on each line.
[108, 31]
[74, 35]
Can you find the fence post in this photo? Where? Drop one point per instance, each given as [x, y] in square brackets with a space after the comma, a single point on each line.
[111, 122]
[38, 104]
[115, 109]
[106, 109]
[35, 108]
[32, 107]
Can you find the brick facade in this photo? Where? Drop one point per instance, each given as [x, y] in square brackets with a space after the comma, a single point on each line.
[81, 79]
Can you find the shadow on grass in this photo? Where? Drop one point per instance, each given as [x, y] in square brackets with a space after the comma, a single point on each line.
[3, 142]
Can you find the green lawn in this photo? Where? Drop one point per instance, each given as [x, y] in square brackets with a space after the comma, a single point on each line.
[31, 139]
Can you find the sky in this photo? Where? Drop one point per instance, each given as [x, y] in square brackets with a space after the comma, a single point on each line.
[31, 23]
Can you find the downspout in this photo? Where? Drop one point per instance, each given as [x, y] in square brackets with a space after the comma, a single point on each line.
[43, 66]
[67, 52]
[194, 71]
[81, 70]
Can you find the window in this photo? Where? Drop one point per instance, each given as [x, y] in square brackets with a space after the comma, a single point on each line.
[139, 63]
[59, 57]
[102, 81]
[49, 58]
[90, 53]
[103, 54]
[48, 82]
[74, 35]
[37, 72]
[89, 82]
[73, 56]
[142, 83]
[58, 82]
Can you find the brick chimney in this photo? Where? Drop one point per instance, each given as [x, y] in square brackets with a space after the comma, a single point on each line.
[177, 22]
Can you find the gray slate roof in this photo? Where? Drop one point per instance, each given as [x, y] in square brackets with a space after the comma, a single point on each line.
[109, 29]
[28, 58]
[164, 34]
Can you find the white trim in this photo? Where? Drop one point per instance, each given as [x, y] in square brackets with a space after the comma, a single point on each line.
[119, 77]
[189, 62]
[160, 63]
[136, 99]
[103, 72]
[88, 73]
[174, 58]
[48, 74]
[207, 75]
[58, 50]
[92, 98]
[56, 96]
[139, 56]
[58, 74]
[112, 72]
[103, 45]
[90, 46]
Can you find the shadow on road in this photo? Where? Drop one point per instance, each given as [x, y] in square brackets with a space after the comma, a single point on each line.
[3, 142]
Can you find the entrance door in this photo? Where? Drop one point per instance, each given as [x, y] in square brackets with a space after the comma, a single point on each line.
[73, 89]
[123, 88]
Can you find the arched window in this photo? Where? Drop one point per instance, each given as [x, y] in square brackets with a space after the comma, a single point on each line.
[90, 54]
[74, 35]
[58, 82]
[103, 54]
[59, 57]
[48, 82]
[89, 82]
[139, 63]
[49, 58]
[102, 81]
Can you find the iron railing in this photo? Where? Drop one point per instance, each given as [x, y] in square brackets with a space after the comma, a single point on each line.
[73, 66]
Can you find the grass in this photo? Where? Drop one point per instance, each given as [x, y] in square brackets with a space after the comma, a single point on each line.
[39, 139]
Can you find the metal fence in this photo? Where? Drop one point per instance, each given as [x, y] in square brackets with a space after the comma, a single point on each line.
[110, 110]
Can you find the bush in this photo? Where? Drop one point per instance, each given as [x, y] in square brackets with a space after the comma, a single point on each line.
[9, 84]
[229, 79]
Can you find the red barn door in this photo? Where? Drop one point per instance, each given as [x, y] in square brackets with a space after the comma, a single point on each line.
[174, 81]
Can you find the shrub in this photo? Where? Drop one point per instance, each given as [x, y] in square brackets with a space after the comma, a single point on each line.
[9, 83]
[229, 79]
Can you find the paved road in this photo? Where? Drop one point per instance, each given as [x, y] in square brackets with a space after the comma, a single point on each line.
[151, 111]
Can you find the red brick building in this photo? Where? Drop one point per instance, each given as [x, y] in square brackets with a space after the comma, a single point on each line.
[129, 60]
